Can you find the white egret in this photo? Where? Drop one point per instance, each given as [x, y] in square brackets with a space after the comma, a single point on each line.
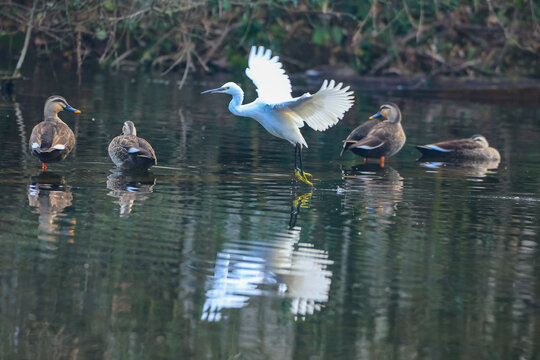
[281, 114]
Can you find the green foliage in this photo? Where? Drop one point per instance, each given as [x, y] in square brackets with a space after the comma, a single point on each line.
[101, 34]
[417, 36]
[337, 34]
[109, 5]
[321, 36]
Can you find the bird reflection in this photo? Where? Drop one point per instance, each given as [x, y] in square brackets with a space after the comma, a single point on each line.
[49, 194]
[477, 169]
[283, 266]
[128, 187]
[382, 188]
[301, 201]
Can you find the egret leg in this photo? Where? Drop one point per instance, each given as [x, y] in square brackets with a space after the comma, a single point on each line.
[299, 172]
[301, 165]
[295, 156]
[43, 167]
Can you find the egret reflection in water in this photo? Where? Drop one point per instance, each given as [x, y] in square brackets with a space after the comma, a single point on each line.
[128, 187]
[283, 266]
[49, 194]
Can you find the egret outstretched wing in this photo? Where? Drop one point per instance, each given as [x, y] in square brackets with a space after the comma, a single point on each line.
[268, 75]
[320, 110]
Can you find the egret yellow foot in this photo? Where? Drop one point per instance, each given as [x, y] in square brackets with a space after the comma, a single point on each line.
[302, 176]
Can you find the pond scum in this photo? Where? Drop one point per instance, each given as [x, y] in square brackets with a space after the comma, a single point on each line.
[378, 37]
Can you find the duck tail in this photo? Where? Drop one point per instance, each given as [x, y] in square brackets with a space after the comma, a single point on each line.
[346, 145]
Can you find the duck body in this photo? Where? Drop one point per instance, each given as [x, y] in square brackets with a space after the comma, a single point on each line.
[52, 139]
[128, 151]
[383, 139]
[358, 134]
[475, 148]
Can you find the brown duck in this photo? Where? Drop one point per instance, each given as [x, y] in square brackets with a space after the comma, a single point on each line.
[128, 151]
[358, 134]
[382, 139]
[474, 148]
[52, 140]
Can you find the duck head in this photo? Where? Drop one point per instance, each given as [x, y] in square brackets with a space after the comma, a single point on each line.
[388, 111]
[55, 104]
[480, 140]
[129, 128]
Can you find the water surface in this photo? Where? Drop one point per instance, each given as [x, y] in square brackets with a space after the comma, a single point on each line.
[219, 254]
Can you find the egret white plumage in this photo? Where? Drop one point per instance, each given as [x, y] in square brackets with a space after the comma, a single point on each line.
[281, 114]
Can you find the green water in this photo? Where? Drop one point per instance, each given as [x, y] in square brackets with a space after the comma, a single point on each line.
[220, 254]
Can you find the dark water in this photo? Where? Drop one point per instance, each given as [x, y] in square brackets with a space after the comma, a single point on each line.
[219, 254]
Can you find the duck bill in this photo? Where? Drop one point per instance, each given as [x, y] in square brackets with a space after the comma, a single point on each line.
[221, 89]
[376, 116]
[73, 110]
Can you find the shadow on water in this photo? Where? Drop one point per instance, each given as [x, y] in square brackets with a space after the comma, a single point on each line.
[129, 186]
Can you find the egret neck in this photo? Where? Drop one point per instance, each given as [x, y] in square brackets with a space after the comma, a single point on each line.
[235, 106]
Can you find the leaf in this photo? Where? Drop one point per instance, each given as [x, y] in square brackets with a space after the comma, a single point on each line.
[278, 31]
[320, 36]
[39, 15]
[337, 34]
[101, 34]
[109, 5]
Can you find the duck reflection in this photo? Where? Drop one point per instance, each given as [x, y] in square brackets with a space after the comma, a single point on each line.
[283, 266]
[476, 169]
[49, 194]
[128, 187]
[382, 189]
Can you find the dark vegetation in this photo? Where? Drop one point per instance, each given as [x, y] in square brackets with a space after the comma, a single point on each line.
[376, 37]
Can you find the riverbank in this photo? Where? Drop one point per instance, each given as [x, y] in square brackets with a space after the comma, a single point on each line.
[393, 37]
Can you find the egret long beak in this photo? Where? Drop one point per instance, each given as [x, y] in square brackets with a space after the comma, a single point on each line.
[73, 110]
[376, 116]
[221, 89]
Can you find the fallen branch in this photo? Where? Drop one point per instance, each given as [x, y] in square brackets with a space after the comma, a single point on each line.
[119, 59]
